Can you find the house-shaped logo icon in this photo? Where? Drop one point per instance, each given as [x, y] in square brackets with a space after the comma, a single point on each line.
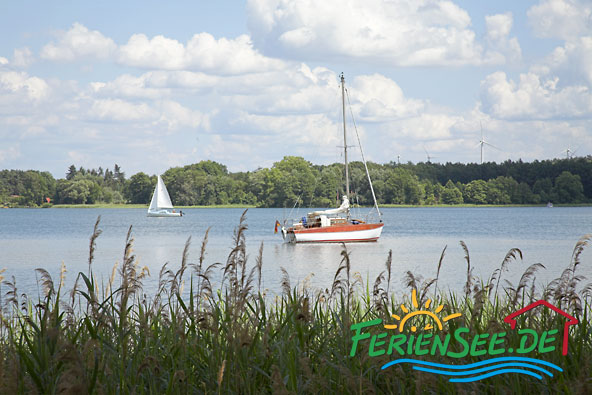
[511, 319]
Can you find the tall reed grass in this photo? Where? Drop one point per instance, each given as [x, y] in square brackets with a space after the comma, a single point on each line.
[109, 337]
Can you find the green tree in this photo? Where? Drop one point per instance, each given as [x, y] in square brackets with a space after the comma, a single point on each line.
[119, 182]
[212, 168]
[476, 192]
[79, 191]
[525, 195]
[108, 195]
[288, 181]
[71, 172]
[401, 186]
[569, 188]
[329, 187]
[509, 187]
[37, 187]
[140, 188]
[543, 190]
[451, 194]
[429, 192]
[497, 192]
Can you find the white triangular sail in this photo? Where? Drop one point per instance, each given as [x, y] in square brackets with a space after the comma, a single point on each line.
[160, 198]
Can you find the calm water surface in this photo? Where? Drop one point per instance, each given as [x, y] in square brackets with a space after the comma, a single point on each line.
[32, 238]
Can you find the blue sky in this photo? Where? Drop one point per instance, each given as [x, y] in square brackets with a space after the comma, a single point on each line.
[149, 85]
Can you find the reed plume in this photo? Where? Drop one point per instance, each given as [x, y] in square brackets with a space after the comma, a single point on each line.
[92, 245]
[511, 255]
[470, 279]
[438, 269]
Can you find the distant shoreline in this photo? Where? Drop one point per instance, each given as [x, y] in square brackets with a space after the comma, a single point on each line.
[145, 206]
[465, 205]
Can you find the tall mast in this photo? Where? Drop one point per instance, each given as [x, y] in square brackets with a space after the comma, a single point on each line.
[344, 136]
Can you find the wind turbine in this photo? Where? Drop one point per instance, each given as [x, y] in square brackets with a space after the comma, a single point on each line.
[569, 153]
[482, 142]
[428, 155]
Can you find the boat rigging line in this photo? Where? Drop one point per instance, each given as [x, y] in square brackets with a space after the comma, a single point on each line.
[362, 152]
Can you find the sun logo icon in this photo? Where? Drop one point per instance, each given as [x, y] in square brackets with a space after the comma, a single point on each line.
[410, 314]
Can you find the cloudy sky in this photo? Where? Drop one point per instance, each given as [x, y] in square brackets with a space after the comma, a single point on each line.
[149, 85]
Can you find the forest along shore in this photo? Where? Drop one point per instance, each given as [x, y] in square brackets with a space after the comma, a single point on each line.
[294, 180]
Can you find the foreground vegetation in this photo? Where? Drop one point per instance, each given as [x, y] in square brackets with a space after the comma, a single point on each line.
[195, 335]
[294, 180]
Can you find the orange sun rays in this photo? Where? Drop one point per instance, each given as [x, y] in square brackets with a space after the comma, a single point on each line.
[410, 314]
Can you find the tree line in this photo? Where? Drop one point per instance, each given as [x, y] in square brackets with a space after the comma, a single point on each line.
[294, 180]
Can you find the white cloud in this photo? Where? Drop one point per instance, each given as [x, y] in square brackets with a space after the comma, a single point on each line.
[384, 116]
[235, 146]
[515, 139]
[19, 86]
[428, 126]
[147, 114]
[203, 52]
[120, 110]
[558, 86]
[228, 56]
[260, 109]
[3, 61]
[79, 42]
[565, 19]
[536, 139]
[154, 85]
[446, 145]
[572, 62]
[570, 65]
[378, 98]
[29, 125]
[501, 48]
[130, 86]
[309, 129]
[9, 153]
[176, 116]
[295, 90]
[181, 80]
[159, 52]
[78, 156]
[22, 58]
[533, 98]
[399, 32]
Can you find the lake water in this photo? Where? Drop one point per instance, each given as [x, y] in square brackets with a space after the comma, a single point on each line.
[33, 238]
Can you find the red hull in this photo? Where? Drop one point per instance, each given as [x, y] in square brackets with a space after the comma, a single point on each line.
[342, 233]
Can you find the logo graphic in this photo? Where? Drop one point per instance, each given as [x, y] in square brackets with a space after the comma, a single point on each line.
[414, 334]
[409, 315]
[488, 368]
[570, 320]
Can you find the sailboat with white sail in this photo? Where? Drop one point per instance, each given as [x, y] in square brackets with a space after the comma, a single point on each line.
[161, 205]
[336, 225]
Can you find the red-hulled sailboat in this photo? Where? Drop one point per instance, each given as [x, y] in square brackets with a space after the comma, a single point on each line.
[336, 225]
